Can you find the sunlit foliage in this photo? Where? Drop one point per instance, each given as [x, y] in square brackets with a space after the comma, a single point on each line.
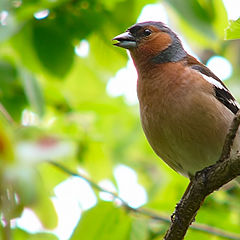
[54, 106]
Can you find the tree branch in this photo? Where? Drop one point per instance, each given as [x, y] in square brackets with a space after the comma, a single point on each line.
[145, 212]
[204, 183]
[230, 137]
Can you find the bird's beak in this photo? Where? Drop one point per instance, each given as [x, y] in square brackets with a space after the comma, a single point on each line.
[125, 40]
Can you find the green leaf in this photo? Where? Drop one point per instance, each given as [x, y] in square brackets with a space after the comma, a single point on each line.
[12, 94]
[51, 176]
[103, 222]
[24, 50]
[221, 18]
[196, 14]
[97, 161]
[19, 234]
[140, 229]
[44, 209]
[53, 47]
[9, 27]
[32, 91]
[233, 30]
[42, 236]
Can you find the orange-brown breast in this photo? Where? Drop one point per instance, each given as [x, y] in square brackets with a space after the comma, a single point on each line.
[172, 115]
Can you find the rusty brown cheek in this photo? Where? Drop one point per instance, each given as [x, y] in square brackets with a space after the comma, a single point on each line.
[151, 47]
[156, 44]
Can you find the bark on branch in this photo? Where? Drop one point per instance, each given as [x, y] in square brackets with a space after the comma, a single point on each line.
[204, 183]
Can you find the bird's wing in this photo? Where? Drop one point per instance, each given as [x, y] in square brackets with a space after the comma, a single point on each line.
[221, 91]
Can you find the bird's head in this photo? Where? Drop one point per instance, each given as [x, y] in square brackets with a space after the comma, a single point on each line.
[151, 41]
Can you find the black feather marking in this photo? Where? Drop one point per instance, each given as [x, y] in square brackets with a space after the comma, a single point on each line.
[174, 53]
[222, 94]
[225, 97]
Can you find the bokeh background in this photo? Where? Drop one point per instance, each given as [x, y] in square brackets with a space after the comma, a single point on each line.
[68, 95]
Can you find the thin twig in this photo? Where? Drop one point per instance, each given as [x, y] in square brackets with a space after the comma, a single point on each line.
[93, 184]
[145, 212]
[195, 226]
[217, 232]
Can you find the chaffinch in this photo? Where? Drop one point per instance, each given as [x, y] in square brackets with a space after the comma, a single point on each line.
[186, 110]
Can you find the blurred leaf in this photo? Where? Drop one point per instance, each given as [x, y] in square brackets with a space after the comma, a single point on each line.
[233, 30]
[53, 47]
[19, 234]
[11, 92]
[195, 14]
[83, 85]
[200, 235]
[24, 180]
[10, 207]
[102, 55]
[42, 236]
[202, 22]
[97, 160]
[111, 4]
[106, 130]
[44, 209]
[24, 50]
[220, 18]
[9, 27]
[7, 155]
[76, 18]
[140, 230]
[32, 91]
[52, 176]
[8, 74]
[110, 222]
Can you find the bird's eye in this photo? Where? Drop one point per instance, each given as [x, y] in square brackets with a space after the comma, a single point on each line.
[147, 32]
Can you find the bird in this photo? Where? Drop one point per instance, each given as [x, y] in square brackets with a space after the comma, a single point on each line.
[185, 109]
